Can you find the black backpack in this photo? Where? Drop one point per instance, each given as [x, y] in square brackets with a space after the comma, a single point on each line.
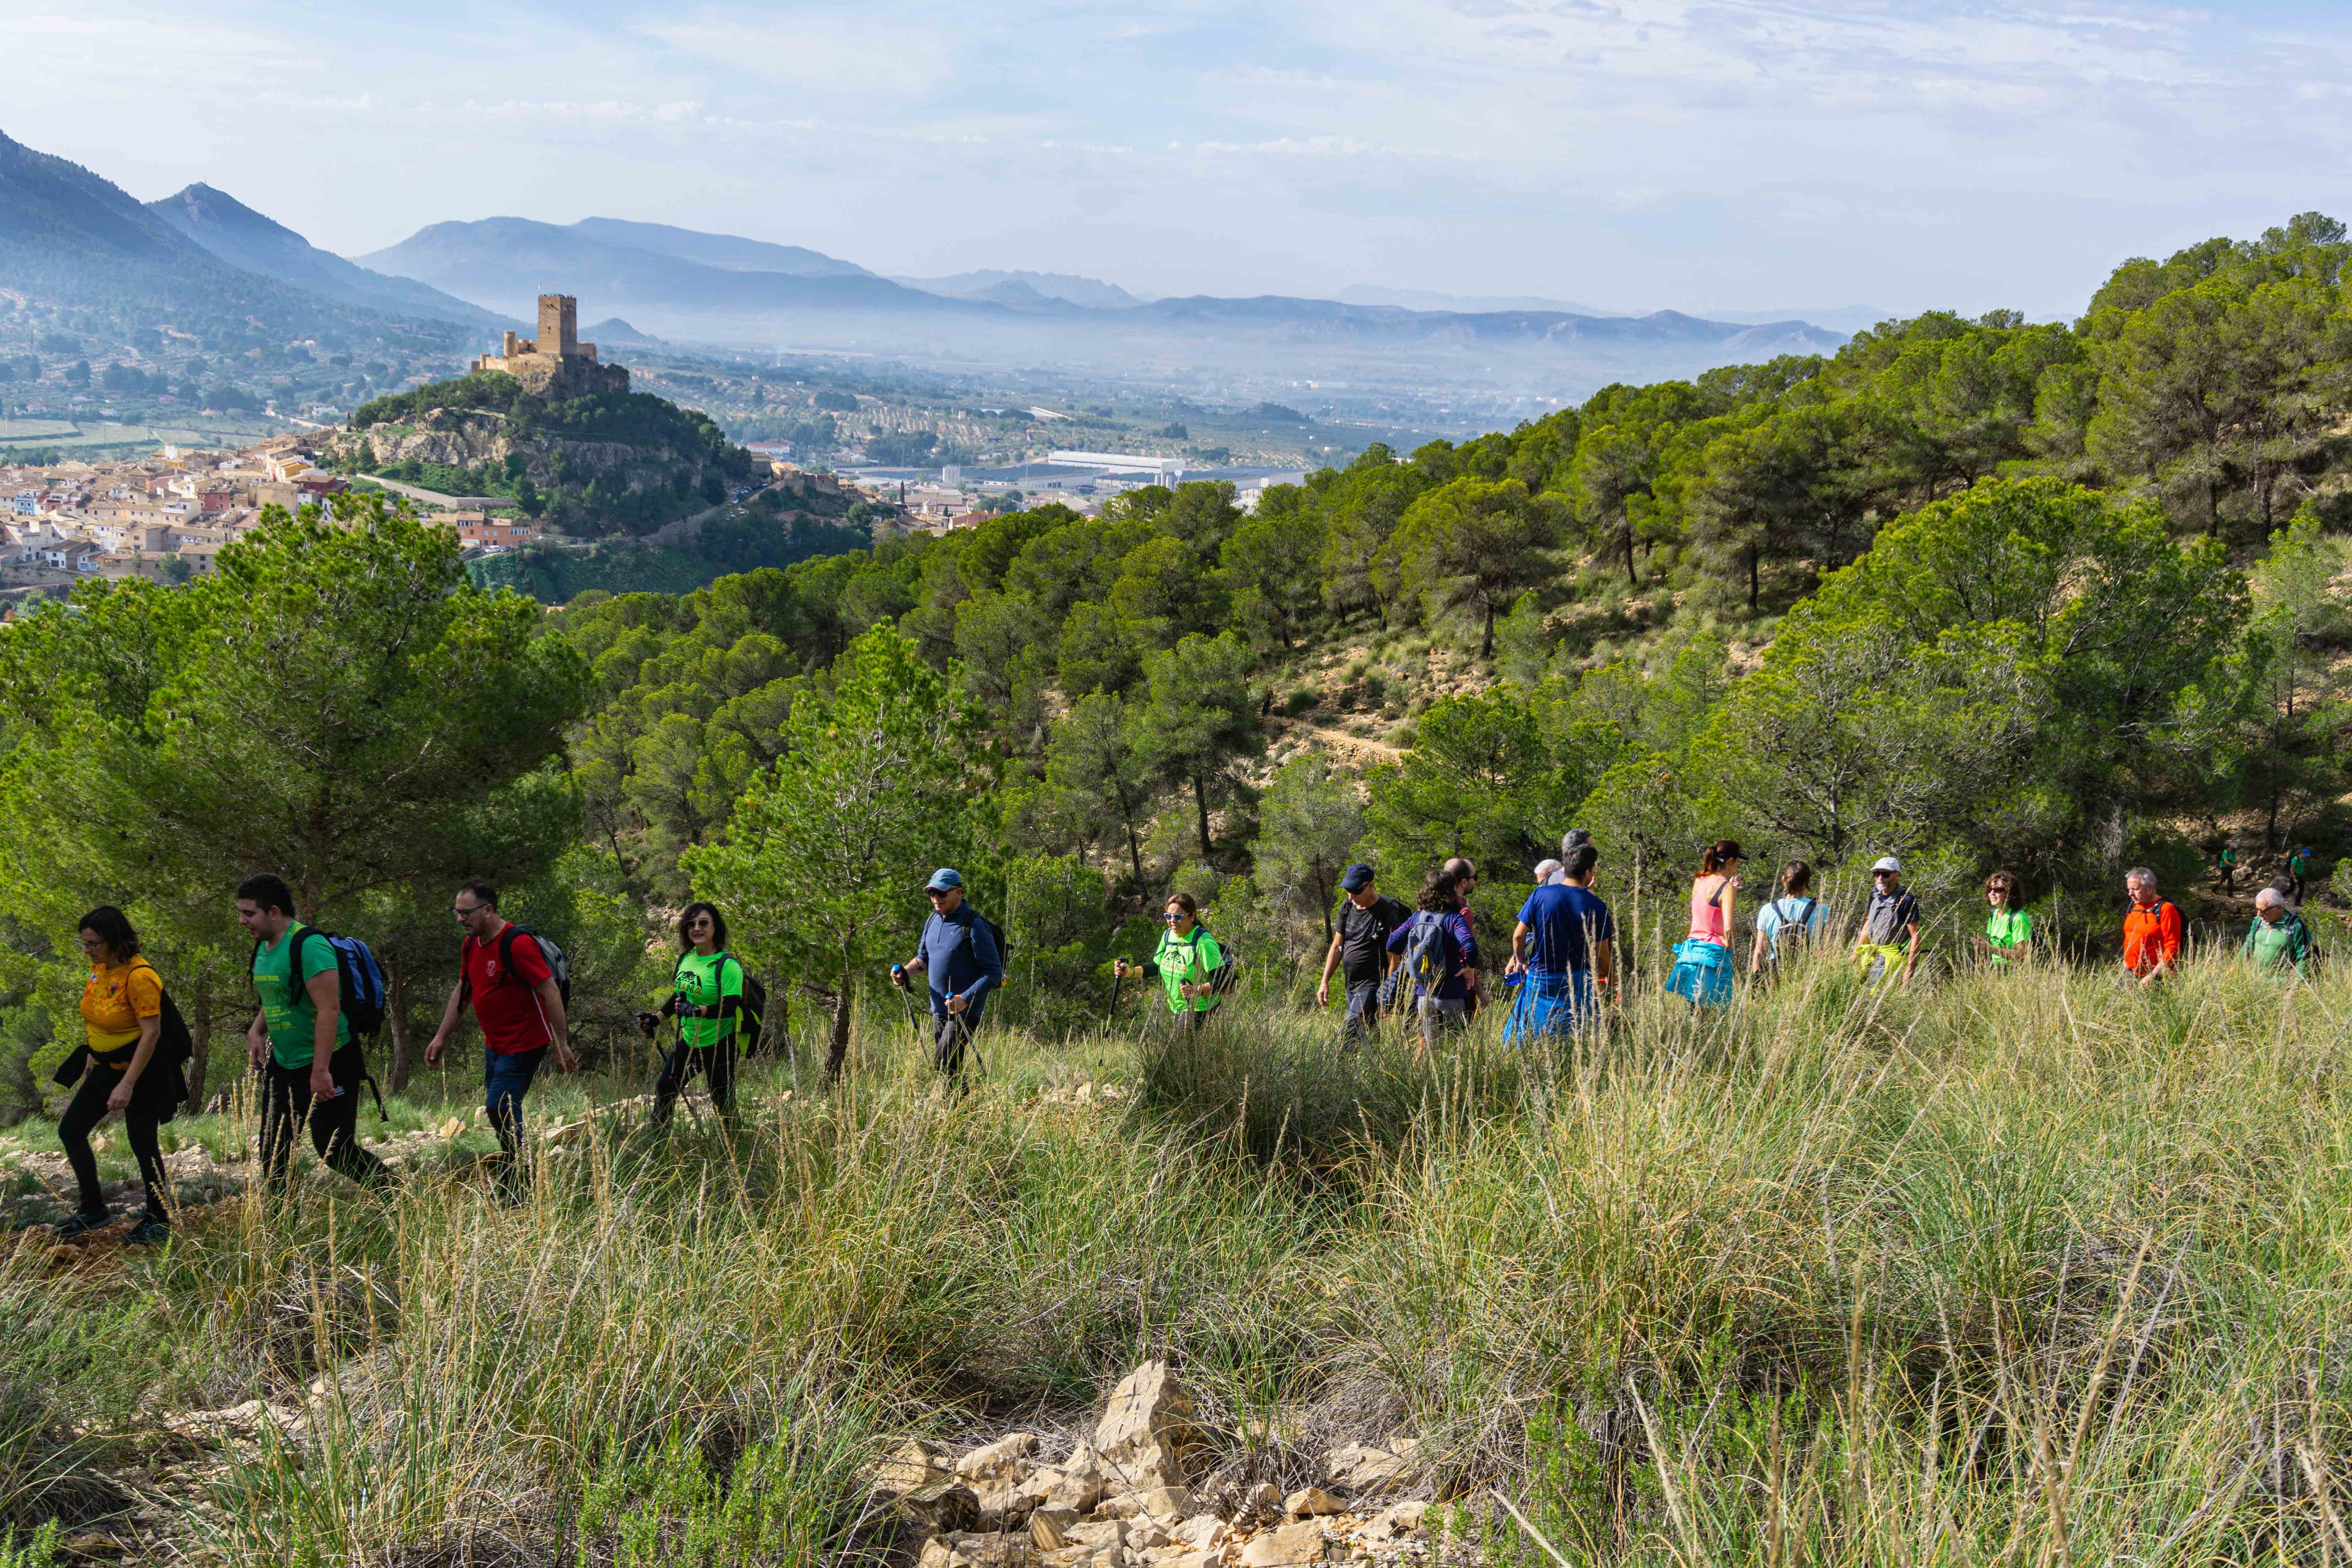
[558, 965]
[750, 1022]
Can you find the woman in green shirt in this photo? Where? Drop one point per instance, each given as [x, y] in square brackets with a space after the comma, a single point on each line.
[2009, 930]
[706, 998]
[1187, 961]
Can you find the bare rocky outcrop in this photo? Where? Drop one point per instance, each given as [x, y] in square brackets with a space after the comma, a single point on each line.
[1126, 1498]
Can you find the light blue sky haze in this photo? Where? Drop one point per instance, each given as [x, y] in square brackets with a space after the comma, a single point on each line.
[1635, 153]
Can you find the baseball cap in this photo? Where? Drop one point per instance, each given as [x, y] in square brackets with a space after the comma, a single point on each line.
[942, 878]
[1357, 877]
[1886, 863]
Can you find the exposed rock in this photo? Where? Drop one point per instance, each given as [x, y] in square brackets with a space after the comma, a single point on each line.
[1397, 1520]
[988, 1551]
[943, 1505]
[1142, 1434]
[1099, 1532]
[1261, 1502]
[910, 1468]
[1312, 1501]
[1284, 1546]
[1079, 1556]
[1360, 1467]
[1203, 1531]
[997, 1458]
[1167, 1504]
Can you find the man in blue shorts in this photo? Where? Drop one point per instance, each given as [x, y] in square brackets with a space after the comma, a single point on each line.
[1564, 945]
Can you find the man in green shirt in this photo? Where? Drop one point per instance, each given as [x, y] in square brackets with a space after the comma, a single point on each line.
[2278, 939]
[299, 1041]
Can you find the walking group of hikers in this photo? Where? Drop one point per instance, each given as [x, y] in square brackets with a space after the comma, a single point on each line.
[321, 996]
[1563, 965]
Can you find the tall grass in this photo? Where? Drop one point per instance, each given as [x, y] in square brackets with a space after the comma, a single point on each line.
[2012, 1268]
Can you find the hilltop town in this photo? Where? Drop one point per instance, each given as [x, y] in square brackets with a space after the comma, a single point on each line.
[166, 517]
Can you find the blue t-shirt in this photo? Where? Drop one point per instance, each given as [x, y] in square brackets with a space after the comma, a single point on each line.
[1562, 925]
[1789, 911]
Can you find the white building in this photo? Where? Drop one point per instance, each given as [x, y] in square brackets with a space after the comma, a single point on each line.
[1163, 470]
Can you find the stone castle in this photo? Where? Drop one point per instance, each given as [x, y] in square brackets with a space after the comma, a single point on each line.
[556, 363]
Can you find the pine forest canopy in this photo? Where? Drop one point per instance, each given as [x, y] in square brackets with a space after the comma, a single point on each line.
[1974, 593]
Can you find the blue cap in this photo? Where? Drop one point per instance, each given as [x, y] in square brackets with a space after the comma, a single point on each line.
[942, 878]
[1357, 877]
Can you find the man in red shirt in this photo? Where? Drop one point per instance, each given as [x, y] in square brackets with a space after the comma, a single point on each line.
[520, 1010]
[2151, 929]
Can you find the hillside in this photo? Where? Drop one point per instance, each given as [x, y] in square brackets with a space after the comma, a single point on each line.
[92, 282]
[596, 467]
[244, 238]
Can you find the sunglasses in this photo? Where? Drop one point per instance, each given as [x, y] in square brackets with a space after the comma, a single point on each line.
[463, 910]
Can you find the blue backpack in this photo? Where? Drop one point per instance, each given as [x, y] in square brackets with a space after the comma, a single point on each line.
[359, 975]
[1425, 960]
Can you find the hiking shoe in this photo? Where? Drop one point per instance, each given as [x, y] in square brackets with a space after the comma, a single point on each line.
[149, 1232]
[66, 1230]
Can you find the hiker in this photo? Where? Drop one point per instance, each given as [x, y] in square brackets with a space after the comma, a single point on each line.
[1890, 925]
[1564, 946]
[2278, 938]
[707, 998]
[1465, 882]
[2298, 866]
[122, 1026]
[504, 971]
[1359, 939]
[2152, 929]
[1188, 961]
[1551, 873]
[1437, 948]
[2009, 930]
[299, 1041]
[957, 955]
[2225, 866]
[1702, 970]
[1793, 918]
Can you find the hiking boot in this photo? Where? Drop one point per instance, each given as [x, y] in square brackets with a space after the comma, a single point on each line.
[67, 1230]
[148, 1232]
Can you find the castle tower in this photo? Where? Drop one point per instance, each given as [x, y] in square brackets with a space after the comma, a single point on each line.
[558, 324]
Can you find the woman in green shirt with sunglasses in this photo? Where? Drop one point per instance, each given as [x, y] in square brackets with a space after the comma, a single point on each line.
[2009, 930]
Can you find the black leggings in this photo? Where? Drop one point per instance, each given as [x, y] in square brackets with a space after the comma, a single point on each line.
[286, 1105]
[87, 1110]
[715, 1062]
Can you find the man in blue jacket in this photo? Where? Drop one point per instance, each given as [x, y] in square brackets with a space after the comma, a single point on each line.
[958, 955]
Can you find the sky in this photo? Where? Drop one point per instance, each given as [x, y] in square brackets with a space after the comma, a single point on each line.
[1635, 154]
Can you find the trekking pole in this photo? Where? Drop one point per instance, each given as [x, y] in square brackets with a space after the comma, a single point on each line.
[974, 1044]
[1110, 1013]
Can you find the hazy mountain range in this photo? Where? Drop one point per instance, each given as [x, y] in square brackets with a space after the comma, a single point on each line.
[687, 286]
[63, 229]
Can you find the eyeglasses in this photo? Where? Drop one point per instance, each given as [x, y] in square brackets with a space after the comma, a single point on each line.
[1173, 917]
[462, 910]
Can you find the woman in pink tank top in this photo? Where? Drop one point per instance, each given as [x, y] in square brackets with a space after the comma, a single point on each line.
[1714, 893]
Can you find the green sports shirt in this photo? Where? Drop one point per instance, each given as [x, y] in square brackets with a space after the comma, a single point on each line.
[704, 980]
[286, 1007]
[1182, 960]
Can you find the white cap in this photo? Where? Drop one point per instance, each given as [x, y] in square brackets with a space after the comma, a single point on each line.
[1887, 863]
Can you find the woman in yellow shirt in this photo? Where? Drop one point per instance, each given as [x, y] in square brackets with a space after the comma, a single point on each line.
[122, 1020]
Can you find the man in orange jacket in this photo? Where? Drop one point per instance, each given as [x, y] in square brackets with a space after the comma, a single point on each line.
[2151, 929]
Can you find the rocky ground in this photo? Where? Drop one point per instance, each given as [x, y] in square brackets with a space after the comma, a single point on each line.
[1140, 1492]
